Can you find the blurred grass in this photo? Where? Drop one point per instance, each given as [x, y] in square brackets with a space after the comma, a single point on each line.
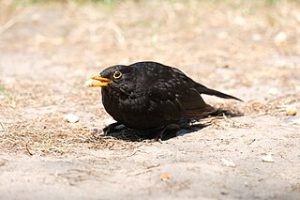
[111, 2]
[7, 7]
[1, 89]
[77, 1]
[107, 2]
[4, 92]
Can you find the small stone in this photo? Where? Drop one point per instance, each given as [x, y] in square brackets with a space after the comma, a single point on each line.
[293, 120]
[256, 37]
[291, 111]
[222, 35]
[35, 17]
[280, 38]
[228, 163]
[239, 20]
[40, 39]
[281, 62]
[267, 158]
[71, 118]
[2, 162]
[273, 91]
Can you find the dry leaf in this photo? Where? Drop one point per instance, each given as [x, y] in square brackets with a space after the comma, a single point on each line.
[165, 176]
[291, 111]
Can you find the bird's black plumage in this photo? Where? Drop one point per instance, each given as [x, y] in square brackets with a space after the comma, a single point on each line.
[152, 96]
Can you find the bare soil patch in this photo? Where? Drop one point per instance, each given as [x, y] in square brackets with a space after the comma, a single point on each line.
[248, 49]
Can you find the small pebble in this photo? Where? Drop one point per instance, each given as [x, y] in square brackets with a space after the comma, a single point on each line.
[228, 163]
[239, 20]
[222, 35]
[280, 38]
[293, 120]
[71, 118]
[224, 193]
[267, 158]
[256, 37]
[273, 91]
[2, 162]
[291, 111]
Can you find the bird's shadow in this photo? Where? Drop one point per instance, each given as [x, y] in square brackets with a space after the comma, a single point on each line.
[123, 133]
[133, 135]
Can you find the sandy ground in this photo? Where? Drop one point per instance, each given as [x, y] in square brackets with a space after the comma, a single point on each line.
[250, 50]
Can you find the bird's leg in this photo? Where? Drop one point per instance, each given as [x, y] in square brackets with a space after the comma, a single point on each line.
[185, 123]
[168, 132]
[111, 128]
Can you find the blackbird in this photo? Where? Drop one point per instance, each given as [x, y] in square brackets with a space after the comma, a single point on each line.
[152, 98]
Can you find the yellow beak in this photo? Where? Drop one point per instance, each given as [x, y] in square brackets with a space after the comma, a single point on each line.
[98, 81]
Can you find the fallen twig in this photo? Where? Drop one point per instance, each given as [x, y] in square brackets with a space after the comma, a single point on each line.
[27, 149]
[2, 127]
[148, 169]
[10, 23]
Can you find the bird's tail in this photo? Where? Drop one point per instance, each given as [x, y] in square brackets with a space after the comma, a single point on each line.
[199, 113]
[204, 90]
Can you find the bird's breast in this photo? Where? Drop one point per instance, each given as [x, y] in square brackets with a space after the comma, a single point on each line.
[138, 112]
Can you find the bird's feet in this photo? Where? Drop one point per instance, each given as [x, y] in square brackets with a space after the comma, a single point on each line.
[114, 127]
[167, 132]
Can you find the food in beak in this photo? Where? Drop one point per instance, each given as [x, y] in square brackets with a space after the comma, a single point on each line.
[97, 81]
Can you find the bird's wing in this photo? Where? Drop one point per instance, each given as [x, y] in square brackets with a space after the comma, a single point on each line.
[179, 99]
[194, 106]
[202, 89]
[163, 100]
[172, 93]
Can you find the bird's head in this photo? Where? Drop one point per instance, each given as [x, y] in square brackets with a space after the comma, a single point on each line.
[118, 77]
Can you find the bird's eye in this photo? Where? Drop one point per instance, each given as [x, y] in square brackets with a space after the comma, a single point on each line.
[117, 75]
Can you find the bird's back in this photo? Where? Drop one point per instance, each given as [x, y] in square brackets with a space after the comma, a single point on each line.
[172, 94]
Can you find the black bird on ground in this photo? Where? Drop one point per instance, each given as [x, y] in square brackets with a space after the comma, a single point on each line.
[152, 98]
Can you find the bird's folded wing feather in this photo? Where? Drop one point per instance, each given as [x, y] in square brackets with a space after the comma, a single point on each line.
[179, 99]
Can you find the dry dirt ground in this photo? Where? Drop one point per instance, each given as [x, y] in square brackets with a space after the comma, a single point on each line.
[249, 49]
